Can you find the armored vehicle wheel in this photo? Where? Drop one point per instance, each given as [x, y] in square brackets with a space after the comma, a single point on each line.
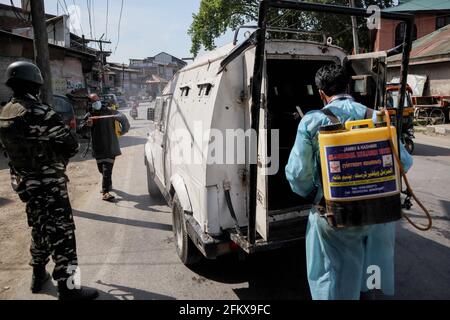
[186, 249]
[153, 189]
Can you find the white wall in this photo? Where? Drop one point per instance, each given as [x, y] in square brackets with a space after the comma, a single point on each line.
[58, 32]
[438, 77]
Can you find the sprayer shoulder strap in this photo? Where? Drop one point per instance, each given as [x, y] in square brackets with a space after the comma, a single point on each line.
[330, 115]
[369, 113]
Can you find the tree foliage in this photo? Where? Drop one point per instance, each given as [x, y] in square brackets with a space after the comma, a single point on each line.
[215, 17]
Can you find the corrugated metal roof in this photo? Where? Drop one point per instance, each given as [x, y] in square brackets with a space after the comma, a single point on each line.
[5, 34]
[420, 5]
[434, 45]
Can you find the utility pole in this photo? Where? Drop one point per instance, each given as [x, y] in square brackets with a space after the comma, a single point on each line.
[102, 69]
[123, 78]
[41, 51]
[355, 29]
[102, 59]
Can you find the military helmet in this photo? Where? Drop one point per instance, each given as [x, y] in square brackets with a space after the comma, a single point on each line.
[24, 71]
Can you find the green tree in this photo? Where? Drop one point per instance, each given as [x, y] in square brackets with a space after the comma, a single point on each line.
[341, 28]
[215, 17]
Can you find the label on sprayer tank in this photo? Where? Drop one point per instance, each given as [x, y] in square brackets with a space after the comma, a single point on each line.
[361, 171]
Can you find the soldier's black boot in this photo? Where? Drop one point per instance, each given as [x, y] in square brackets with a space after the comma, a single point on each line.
[66, 294]
[40, 277]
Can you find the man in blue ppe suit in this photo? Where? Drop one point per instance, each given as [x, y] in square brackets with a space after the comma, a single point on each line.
[340, 262]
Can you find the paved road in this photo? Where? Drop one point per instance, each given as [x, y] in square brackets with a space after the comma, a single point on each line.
[127, 251]
[423, 259]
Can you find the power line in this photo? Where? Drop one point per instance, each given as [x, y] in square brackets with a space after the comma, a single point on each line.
[119, 27]
[93, 20]
[78, 15]
[66, 11]
[65, 5]
[62, 6]
[88, 4]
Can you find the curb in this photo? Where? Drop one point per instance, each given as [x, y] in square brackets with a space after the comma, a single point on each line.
[442, 130]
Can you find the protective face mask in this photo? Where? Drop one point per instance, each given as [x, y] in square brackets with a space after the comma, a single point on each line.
[97, 105]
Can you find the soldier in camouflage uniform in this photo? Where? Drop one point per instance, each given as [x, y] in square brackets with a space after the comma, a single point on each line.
[39, 146]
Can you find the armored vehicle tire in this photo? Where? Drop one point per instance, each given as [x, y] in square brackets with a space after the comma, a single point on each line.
[186, 249]
[153, 189]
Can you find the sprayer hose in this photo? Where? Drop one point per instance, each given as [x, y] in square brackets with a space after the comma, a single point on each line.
[410, 190]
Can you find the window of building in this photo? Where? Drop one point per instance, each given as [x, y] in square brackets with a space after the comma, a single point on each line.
[400, 32]
[442, 21]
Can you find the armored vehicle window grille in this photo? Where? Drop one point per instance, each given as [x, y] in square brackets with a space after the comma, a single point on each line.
[185, 91]
[205, 89]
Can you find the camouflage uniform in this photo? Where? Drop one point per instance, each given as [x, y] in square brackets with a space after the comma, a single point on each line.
[39, 146]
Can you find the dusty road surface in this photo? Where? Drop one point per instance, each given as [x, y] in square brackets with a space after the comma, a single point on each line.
[126, 249]
[423, 258]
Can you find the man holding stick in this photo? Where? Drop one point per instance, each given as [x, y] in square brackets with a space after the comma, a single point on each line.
[105, 143]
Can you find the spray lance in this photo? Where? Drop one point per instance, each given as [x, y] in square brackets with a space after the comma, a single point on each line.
[409, 191]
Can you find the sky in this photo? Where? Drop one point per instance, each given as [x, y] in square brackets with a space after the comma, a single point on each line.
[148, 27]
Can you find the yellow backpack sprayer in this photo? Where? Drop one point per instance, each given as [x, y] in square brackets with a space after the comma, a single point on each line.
[362, 174]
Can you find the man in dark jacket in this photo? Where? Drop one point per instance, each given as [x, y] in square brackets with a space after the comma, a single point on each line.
[105, 124]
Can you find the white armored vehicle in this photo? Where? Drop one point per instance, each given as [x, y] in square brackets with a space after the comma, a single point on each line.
[225, 193]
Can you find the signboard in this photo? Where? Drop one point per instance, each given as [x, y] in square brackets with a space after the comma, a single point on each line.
[361, 171]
